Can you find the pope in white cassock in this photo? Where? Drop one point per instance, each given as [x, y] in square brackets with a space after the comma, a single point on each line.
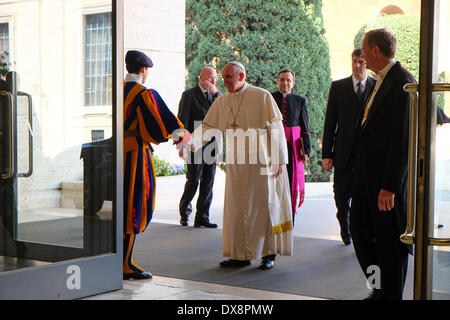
[257, 220]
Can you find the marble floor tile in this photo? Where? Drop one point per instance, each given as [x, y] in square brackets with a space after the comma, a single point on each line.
[162, 288]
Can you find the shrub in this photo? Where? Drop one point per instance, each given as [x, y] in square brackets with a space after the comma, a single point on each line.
[164, 168]
[265, 36]
[407, 31]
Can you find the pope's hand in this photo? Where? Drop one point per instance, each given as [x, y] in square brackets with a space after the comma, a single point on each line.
[277, 171]
[184, 141]
[181, 153]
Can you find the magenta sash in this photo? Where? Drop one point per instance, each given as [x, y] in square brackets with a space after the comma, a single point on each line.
[293, 136]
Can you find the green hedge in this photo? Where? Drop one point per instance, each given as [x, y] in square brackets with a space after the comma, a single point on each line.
[407, 31]
[164, 168]
[265, 36]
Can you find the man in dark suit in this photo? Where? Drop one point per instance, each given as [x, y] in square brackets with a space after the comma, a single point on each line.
[345, 102]
[201, 167]
[296, 126]
[378, 210]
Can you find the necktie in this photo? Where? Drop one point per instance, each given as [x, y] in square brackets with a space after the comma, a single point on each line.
[359, 92]
[209, 97]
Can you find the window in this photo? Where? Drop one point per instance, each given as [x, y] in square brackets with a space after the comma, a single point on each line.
[97, 135]
[98, 75]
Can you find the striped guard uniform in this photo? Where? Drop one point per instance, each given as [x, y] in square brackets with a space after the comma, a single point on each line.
[147, 119]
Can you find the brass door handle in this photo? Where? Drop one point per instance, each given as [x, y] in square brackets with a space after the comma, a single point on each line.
[443, 242]
[30, 135]
[439, 87]
[409, 235]
[11, 131]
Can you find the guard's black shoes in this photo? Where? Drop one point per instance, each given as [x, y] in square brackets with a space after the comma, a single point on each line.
[137, 275]
[231, 263]
[346, 238]
[206, 224]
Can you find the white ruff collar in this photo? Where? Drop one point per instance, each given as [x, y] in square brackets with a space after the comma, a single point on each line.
[132, 77]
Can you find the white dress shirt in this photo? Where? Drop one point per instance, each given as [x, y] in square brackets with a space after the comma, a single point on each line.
[379, 77]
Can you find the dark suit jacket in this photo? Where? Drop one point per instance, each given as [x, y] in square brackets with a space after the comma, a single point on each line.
[382, 143]
[193, 107]
[296, 115]
[343, 109]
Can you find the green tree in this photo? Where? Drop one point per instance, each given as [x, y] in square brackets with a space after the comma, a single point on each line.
[407, 31]
[265, 36]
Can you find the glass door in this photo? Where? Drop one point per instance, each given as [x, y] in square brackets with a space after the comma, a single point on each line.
[429, 190]
[58, 154]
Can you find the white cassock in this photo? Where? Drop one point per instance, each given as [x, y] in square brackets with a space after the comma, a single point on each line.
[257, 218]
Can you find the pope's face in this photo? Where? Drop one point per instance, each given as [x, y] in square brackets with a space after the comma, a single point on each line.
[232, 79]
[285, 82]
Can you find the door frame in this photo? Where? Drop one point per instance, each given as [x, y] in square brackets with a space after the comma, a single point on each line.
[423, 255]
[421, 200]
[72, 279]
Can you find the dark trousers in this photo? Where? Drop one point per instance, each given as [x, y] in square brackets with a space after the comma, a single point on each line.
[198, 175]
[376, 239]
[342, 187]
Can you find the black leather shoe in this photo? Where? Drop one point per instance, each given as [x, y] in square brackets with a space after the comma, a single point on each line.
[347, 240]
[375, 295]
[184, 222]
[266, 264]
[231, 263]
[345, 236]
[137, 275]
[205, 224]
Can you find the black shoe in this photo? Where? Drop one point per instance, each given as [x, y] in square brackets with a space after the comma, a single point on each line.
[205, 224]
[137, 275]
[345, 236]
[266, 264]
[231, 263]
[375, 295]
[184, 222]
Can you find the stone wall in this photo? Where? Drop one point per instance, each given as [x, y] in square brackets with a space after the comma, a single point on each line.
[157, 28]
[47, 51]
